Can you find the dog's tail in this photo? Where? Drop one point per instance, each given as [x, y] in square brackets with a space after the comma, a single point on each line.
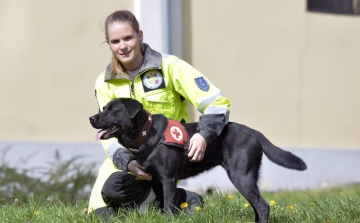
[281, 157]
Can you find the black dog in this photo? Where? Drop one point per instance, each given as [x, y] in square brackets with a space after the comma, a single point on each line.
[238, 149]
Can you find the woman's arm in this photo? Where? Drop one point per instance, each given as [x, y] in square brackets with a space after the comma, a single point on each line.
[208, 100]
[205, 96]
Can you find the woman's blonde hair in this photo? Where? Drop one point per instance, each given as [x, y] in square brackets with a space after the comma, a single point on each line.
[121, 16]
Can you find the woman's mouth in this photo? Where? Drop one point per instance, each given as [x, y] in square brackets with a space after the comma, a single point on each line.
[125, 54]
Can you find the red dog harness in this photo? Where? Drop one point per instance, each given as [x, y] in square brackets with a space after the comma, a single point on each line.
[176, 135]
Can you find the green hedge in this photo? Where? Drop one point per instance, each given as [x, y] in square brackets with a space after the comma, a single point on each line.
[63, 180]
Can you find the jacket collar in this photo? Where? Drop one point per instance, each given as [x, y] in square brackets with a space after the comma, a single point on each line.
[152, 60]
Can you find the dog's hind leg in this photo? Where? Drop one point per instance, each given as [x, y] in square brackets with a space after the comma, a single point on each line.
[245, 180]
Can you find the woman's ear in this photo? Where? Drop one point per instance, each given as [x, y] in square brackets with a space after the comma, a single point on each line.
[141, 35]
[108, 44]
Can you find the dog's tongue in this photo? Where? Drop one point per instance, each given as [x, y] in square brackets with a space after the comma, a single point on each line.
[99, 134]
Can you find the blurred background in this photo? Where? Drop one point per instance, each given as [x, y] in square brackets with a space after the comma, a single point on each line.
[290, 68]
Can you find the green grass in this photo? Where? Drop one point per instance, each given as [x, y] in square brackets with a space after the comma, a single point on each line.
[326, 205]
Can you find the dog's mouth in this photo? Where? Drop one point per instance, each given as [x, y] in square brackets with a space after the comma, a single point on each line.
[106, 133]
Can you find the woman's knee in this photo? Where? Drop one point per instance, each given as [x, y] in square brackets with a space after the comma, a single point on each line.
[123, 190]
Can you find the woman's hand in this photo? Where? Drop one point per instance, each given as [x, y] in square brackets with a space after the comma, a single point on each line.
[137, 169]
[197, 148]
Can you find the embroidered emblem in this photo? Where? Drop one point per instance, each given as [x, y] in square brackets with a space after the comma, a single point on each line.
[152, 80]
[202, 83]
[176, 133]
[144, 133]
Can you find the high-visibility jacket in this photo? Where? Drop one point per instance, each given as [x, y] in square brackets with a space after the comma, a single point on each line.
[164, 84]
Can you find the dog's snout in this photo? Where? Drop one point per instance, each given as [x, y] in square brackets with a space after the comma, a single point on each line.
[92, 119]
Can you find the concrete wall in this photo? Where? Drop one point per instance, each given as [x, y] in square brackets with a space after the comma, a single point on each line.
[291, 74]
[51, 52]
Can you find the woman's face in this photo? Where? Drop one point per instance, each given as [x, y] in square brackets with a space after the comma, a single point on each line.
[124, 43]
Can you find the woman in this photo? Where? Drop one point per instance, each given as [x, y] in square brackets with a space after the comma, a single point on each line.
[163, 84]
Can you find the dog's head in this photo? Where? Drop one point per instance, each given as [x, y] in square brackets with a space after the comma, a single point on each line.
[117, 118]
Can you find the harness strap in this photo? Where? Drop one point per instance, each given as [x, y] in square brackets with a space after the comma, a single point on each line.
[144, 132]
[176, 135]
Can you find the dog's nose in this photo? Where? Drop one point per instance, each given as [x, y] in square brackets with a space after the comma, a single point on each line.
[92, 118]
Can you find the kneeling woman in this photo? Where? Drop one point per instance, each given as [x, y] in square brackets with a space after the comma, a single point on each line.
[163, 84]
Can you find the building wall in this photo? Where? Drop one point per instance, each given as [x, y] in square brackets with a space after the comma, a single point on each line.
[51, 52]
[290, 74]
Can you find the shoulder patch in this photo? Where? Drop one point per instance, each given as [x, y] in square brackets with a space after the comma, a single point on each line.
[202, 83]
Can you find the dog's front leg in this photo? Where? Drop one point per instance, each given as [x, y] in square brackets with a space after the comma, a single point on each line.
[171, 198]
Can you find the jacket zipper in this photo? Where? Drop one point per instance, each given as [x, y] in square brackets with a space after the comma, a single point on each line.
[132, 89]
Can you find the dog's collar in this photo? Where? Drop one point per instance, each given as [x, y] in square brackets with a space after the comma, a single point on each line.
[144, 132]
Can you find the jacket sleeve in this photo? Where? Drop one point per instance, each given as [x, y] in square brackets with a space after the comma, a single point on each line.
[121, 158]
[210, 126]
[113, 149]
[205, 96]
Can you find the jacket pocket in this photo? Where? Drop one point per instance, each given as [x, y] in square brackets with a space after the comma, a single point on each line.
[162, 102]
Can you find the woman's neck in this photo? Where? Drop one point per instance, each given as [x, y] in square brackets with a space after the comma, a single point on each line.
[136, 64]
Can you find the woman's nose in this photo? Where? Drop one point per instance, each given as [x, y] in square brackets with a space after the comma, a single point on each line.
[122, 45]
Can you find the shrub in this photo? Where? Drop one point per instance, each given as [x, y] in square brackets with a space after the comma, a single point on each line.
[62, 180]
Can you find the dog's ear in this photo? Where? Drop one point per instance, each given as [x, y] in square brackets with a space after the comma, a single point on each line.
[133, 107]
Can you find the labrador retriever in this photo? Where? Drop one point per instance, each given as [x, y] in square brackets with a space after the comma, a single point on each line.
[238, 149]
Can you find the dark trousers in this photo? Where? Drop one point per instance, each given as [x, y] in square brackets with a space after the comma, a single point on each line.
[123, 190]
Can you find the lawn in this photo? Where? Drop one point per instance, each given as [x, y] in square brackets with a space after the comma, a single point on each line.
[325, 205]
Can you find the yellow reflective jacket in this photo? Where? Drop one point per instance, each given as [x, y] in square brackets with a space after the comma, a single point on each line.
[164, 84]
